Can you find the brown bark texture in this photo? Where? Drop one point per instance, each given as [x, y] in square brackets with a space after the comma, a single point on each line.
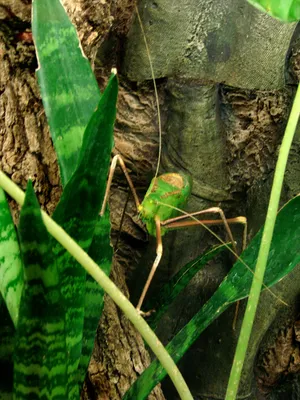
[223, 120]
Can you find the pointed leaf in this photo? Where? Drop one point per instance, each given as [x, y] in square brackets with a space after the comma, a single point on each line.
[77, 212]
[101, 252]
[68, 86]
[40, 346]
[283, 257]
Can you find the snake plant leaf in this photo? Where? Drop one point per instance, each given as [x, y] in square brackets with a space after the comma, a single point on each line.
[285, 10]
[11, 268]
[11, 285]
[177, 283]
[77, 212]
[101, 252]
[283, 257]
[7, 334]
[70, 95]
[68, 86]
[40, 347]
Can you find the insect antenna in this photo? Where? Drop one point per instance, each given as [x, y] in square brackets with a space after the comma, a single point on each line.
[155, 90]
[158, 120]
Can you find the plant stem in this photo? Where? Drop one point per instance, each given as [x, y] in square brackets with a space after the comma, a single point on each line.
[110, 288]
[252, 303]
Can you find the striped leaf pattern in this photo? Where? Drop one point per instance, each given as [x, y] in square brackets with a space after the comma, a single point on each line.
[7, 331]
[40, 349]
[83, 136]
[101, 252]
[283, 257]
[11, 285]
[77, 212]
[11, 269]
[64, 70]
[68, 86]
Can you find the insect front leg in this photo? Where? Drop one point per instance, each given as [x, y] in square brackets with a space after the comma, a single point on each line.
[118, 159]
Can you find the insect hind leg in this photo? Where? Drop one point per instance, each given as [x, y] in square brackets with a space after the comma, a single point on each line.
[189, 219]
[159, 253]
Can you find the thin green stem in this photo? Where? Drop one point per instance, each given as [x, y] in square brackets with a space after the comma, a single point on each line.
[110, 288]
[253, 299]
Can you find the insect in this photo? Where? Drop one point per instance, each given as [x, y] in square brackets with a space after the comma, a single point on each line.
[166, 195]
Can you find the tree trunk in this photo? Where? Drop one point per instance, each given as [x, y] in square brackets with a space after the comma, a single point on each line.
[26, 152]
[222, 68]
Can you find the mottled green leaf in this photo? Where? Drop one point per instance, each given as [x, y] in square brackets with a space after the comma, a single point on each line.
[179, 281]
[285, 10]
[101, 252]
[40, 348]
[7, 335]
[11, 269]
[70, 95]
[283, 257]
[68, 87]
[77, 212]
[11, 285]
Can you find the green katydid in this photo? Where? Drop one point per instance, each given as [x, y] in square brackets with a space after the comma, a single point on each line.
[166, 194]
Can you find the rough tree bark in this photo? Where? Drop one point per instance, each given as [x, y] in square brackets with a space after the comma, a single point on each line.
[222, 66]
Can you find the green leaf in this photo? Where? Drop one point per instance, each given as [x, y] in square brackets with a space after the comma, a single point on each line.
[77, 212]
[11, 268]
[7, 335]
[11, 285]
[68, 86]
[179, 281]
[283, 257]
[285, 10]
[101, 252]
[40, 347]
